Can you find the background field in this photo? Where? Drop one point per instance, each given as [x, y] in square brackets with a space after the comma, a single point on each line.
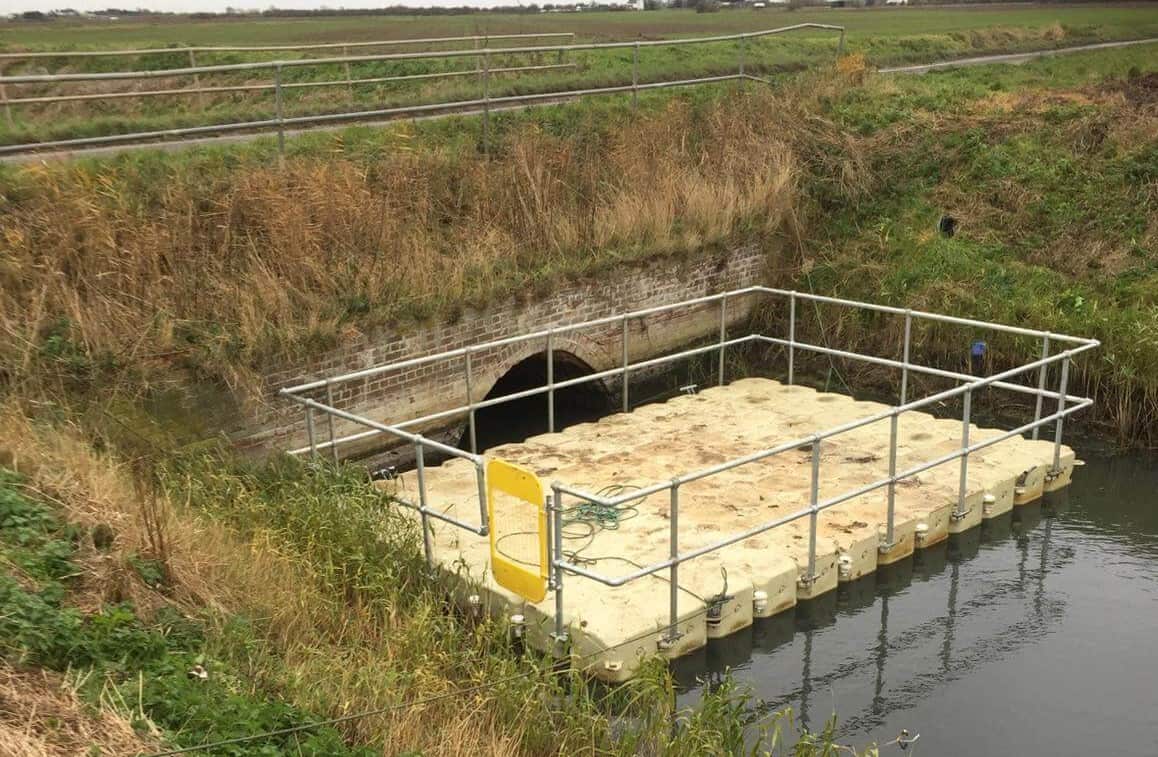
[864, 24]
[882, 36]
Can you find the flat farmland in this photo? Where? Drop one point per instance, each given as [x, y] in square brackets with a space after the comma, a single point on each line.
[1109, 21]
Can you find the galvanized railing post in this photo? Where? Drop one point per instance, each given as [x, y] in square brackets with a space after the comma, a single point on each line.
[470, 420]
[349, 75]
[791, 337]
[484, 518]
[1061, 406]
[723, 334]
[625, 372]
[905, 357]
[277, 93]
[196, 79]
[814, 506]
[310, 431]
[330, 421]
[550, 382]
[4, 100]
[673, 553]
[560, 634]
[963, 484]
[743, 44]
[478, 61]
[890, 519]
[1041, 381]
[635, 76]
[486, 101]
[420, 471]
[840, 44]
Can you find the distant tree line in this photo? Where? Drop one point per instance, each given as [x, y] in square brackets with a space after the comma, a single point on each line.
[406, 10]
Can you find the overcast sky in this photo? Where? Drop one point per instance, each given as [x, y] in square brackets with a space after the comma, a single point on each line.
[185, 6]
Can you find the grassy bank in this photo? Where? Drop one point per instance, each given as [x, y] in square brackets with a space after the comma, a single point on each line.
[192, 600]
[883, 38]
[218, 264]
[133, 551]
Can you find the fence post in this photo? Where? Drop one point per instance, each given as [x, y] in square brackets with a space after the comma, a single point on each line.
[723, 334]
[1041, 381]
[420, 469]
[551, 382]
[280, 114]
[813, 504]
[484, 517]
[673, 553]
[560, 634]
[889, 531]
[635, 76]
[486, 101]
[625, 373]
[7, 105]
[968, 402]
[1061, 406]
[470, 403]
[196, 79]
[743, 45]
[791, 337]
[349, 75]
[330, 421]
[905, 357]
[840, 44]
[310, 431]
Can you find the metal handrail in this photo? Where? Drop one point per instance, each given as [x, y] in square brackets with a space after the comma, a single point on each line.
[1067, 406]
[280, 122]
[31, 54]
[422, 55]
[273, 86]
[559, 565]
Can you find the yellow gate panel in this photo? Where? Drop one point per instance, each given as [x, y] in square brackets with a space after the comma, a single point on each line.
[515, 506]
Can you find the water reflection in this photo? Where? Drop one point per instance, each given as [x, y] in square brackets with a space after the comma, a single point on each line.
[941, 564]
[976, 626]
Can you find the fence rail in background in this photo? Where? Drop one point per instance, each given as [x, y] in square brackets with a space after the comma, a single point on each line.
[483, 38]
[1066, 349]
[483, 55]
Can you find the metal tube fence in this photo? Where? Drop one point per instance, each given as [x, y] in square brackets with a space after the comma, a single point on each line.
[193, 50]
[267, 87]
[484, 54]
[559, 566]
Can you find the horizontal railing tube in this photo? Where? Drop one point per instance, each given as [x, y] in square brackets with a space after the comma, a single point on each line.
[436, 54]
[33, 54]
[520, 338]
[479, 530]
[802, 513]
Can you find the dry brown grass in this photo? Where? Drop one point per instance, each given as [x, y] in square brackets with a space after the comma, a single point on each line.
[232, 268]
[314, 647]
[41, 716]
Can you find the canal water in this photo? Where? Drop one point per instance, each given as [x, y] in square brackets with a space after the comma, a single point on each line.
[1035, 634]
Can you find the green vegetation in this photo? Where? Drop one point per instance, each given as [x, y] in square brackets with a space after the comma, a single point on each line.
[153, 663]
[1124, 20]
[911, 35]
[275, 595]
[134, 551]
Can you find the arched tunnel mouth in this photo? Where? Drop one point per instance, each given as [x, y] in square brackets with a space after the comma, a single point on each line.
[518, 420]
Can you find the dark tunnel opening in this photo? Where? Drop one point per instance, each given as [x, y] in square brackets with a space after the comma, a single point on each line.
[520, 419]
